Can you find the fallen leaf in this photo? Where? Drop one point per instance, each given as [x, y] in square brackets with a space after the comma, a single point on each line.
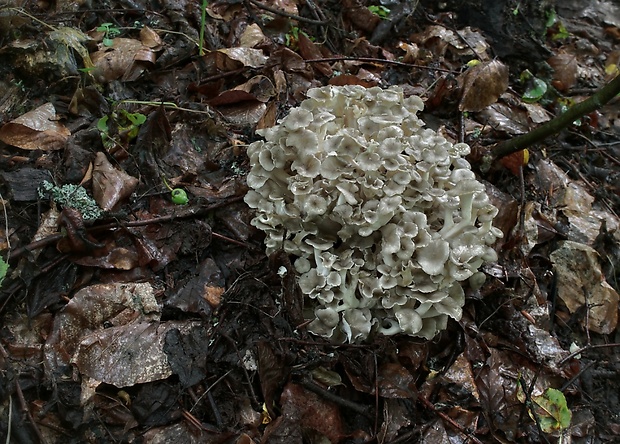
[564, 70]
[110, 185]
[36, 130]
[126, 58]
[515, 161]
[254, 58]
[581, 284]
[483, 84]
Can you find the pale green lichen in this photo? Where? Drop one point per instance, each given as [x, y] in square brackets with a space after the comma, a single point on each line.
[72, 196]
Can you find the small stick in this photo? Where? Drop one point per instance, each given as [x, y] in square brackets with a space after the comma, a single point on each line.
[288, 14]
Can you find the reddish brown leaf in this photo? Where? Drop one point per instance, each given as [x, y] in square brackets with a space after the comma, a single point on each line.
[564, 70]
[110, 185]
[36, 130]
[310, 50]
[232, 96]
[349, 79]
[482, 85]
[515, 161]
[360, 15]
[312, 412]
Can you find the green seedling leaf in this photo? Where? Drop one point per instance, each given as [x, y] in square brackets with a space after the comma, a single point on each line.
[380, 11]
[136, 118]
[562, 32]
[553, 413]
[179, 197]
[536, 91]
[110, 32]
[551, 18]
[102, 124]
[4, 268]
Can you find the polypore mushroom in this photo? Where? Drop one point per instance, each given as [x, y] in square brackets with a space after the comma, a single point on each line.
[385, 217]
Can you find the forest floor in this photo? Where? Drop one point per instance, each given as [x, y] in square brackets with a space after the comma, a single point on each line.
[140, 317]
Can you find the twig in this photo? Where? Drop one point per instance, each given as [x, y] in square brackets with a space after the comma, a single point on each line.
[136, 223]
[26, 411]
[373, 60]
[586, 348]
[6, 225]
[449, 420]
[309, 385]
[600, 98]
[288, 14]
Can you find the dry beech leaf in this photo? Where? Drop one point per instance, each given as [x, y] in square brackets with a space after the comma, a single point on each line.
[252, 36]
[310, 50]
[349, 79]
[259, 86]
[254, 58]
[150, 38]
[119, 60]
[482, 85]
[564, 71]
[36, 130]
[581, 284]
[515, 161]
[110, 186]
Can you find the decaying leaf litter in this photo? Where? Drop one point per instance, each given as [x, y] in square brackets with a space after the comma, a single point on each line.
[131, 315]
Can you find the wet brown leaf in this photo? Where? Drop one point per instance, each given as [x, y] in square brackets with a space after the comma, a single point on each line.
[565, 69]
[110, 185]
[483, 84]
[394, 381]
[38, 129]
[120, 59]
[200, 294]
[360, 15]
[442, 40]
[273, 373]
[396, 415]
[90, 308]
[249, 57]
[310, 50]
[128, 354]
[581, 283]
[504, 118]
[312, 412]
[460, 375]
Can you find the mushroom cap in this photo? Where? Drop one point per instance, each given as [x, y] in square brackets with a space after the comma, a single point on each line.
[385, 216]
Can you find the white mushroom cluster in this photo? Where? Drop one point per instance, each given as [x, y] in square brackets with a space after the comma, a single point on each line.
[385, 217]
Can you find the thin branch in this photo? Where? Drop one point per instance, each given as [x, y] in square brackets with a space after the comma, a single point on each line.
[374, 60]
[288, 14]
[600, 98]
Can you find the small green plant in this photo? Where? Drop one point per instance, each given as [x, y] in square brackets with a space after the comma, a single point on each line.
[178, 195]
[4, 268]
[381, 11]
[109, 33]
[203, 24]
[536, 88]
[128, 125]
[292, 37]
[549, 409]
[555, 26]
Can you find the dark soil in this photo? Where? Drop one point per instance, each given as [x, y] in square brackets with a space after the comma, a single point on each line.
[159, 322]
